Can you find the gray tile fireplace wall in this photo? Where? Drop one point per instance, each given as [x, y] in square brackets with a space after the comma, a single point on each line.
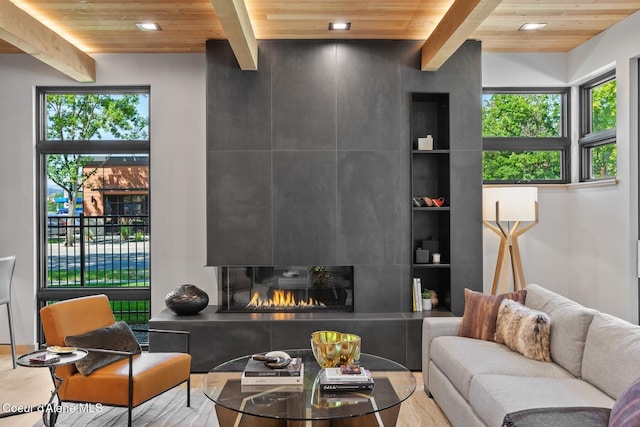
[308, 162]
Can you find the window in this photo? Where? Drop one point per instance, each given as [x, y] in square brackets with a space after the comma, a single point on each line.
[93, 185]
[598, 152]
[525, 135]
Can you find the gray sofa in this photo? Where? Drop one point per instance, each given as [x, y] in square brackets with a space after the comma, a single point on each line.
[595, 357]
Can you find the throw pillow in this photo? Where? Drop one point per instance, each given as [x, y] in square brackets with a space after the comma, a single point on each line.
[524, 330]
[481, 311]
[626, 410]
[113, 337]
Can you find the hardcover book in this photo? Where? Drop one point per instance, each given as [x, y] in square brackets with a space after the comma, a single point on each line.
[360, 382]
[257, 368]
[44, 358]
[271, 380]
[337, 374]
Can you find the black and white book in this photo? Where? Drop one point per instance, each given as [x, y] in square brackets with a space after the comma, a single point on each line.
[352, 383]
[257, 368]
[273, 380]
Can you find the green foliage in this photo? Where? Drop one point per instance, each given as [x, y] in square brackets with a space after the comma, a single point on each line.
[124, 232]
[603, 158]
[521, 115]
[604, 161]
[603, 106]
[99, 278]
[521, 166]
[87, 117]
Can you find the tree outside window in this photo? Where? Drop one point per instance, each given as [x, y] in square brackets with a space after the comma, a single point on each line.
[525, 135]
[598, 148]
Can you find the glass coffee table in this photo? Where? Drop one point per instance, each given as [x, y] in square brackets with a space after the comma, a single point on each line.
[306, 405]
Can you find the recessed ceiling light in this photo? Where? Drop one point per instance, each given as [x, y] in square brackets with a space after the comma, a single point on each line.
[148, 26]
[532, 27]
[344, 26]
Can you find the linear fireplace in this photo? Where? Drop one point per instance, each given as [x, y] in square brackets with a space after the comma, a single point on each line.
[285, 289]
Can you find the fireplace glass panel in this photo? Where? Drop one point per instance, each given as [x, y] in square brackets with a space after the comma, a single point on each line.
[285, 288]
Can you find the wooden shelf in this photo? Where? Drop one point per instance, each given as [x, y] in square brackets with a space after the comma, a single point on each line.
[441, 265]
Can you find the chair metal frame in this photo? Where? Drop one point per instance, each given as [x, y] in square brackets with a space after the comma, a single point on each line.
[57, 381]
[6, 299]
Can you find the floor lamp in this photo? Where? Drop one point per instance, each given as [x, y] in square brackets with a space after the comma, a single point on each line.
[502, 206]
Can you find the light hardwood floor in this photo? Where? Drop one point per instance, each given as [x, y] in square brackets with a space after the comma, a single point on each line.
[32, 386]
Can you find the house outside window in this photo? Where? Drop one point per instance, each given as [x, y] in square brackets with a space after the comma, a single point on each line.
[525, 135]
[598, 148]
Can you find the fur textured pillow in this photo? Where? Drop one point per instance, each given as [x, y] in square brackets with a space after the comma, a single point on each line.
[114, 337]
[481, 312]
[524, 330]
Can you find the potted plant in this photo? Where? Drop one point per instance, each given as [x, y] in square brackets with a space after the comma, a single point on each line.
[426, 299]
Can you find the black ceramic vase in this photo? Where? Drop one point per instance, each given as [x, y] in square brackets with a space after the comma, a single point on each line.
[186, 299]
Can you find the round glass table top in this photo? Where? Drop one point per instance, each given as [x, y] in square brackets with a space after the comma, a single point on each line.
[393, 383]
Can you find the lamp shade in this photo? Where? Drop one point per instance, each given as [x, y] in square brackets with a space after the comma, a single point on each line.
[515, 203]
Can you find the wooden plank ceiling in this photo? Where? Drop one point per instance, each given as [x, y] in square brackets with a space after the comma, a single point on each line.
[102, 26]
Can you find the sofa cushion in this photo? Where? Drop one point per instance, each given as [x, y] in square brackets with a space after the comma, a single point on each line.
[626, 411]
[114, 337]
[524, 330]
[460, 359]
[481, 311]
[614, 369]
[569, 324]
[494, 396]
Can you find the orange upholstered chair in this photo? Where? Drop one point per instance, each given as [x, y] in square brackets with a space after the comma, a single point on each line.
[127, 382]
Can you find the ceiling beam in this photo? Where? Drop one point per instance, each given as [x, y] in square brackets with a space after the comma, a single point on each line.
[236, 24]
[462, 19]
[26, 33]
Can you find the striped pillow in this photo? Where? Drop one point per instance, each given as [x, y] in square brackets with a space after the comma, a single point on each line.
[626, 410]
[481, 312]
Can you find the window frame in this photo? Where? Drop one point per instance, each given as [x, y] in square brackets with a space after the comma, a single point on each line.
[43, 148]
[560, 143]
[587, 139]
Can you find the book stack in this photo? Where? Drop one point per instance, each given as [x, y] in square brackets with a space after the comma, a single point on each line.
[417, 294]
[44, 358]
[336, 379]
[257, 373]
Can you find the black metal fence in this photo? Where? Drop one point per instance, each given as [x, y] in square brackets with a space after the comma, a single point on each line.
[87, 255]
[99, 251]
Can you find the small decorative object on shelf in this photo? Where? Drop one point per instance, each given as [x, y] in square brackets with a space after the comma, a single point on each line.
[434, 298]
[425, 143]
[426, 300]
[422, 256]
[186, 299]
[435, 258]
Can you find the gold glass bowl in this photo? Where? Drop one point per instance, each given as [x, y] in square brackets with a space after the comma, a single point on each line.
[331, 348]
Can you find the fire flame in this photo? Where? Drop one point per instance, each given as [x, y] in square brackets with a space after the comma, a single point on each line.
[283, 300]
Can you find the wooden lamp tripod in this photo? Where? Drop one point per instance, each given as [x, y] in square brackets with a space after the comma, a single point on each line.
[515, 205]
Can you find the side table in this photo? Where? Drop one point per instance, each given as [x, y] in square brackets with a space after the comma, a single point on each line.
[52, 409]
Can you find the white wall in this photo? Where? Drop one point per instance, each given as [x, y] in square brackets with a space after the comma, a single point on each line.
[178, 234]
[585, 244]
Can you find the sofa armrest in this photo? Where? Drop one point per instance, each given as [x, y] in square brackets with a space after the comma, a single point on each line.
[433, 327]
